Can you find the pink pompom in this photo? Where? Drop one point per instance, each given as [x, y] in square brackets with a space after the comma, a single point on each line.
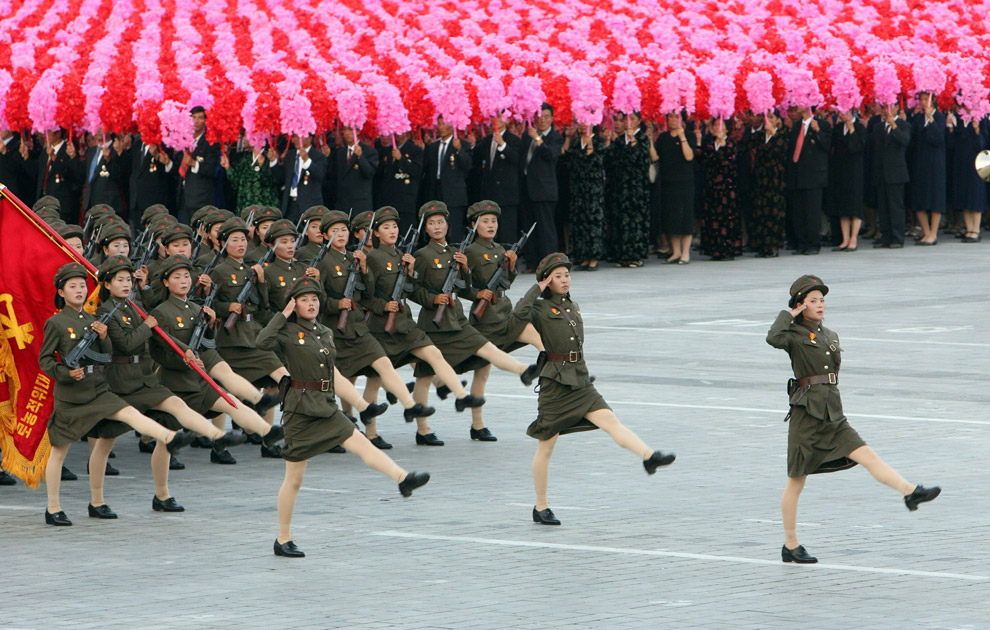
[886, 84]
[351, 107]
[626, 97]
[759, 91]
[392, 117]
[177, 130]
[587, 99]
[526, 97]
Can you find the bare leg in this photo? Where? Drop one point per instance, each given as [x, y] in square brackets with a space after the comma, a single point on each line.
[372, 457]
[245, 418]
[371, 388]
[541, 471]
[868, 459]
[686, 247]
[345, 405]
[287, 494]
[433, 356]
[220, 422]
[189, 418]
[844, 223]
[159, 470]
[53, 476]
[143, 424]
[605, 420]
[936, 218]
[393, 382]
[235, 383]
[530, 336]
[788, 509]
[100, 452]
[854, 233]
[421, 394]
[675, 247]
[478, 389]
[922, 219]
[500, 359]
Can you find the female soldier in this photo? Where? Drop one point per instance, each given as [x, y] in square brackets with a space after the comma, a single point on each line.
[284, 269]
[568, 401]
[177, 315]
[462, 346]
[496, 323]
[82, 398]
[312, 421]
[819, 439]
[237, 344]
[131, 376]
[404, 343]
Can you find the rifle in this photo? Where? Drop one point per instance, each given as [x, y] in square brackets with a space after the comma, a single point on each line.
[139, 245]
[245, 295]
[213, 263]
[88, 224]
[353, 283]
[452, 283]
[327, 242]
[91, 245]
[403, 284]
[498, 279]
[197, 243]
[198, 337]
[144, 251]
[82, 349]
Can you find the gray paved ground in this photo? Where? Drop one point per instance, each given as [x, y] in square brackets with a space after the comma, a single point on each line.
[680, 354]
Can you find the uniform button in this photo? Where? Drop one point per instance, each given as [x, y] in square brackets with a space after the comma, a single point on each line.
[568, 310]
[827, 353]
[825, 366]
[321, 365]
[572, 338]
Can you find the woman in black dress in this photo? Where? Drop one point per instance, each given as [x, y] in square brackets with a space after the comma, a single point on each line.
[846, 174]
[676, 152]
[967, 192]
[584, 160]
[721, 229]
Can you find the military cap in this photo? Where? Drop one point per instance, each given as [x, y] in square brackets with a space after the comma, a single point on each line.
[112, 265]
[101, 221]
[383, 214]
[551, 262]
[47, 200]
[305, 285]
[430, 208]
[163, 224]
[67, 272]
[475, 210]
[265, 213]
[246, 210]
[48, 214]
[215, 216]
[174, 233]
[281, 227]
[232, 226]
[102, 209]
[113, 231]
[173, 263]
[332, 217]
[152, 211]
[313, 213]
[68, 230]
[362, 221]
[200, 214]
[805, 285]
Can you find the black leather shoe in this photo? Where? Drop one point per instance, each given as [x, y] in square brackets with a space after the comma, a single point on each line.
[545, 517]
[896, 246]
[880, 244]
[6, 479]
[222, 458]
[419, 410]
[656, 460]
[68, 475]
[372, 412]
[380, 443]
[202, 442]
[267, 402]
[288, 550]
[810, 252]
[101, 511]
[530, 374]
[58, 518]
[338, 450]
[430, 439]
[920, 495]
[483, 434]
[149, 447]
[168, 505]
[798, 555]
[412, 481]
[272, 437]
[228, 440]
[255, 439]
[274, 452]
[112, 455]
[390, 397]
[110, 471]
[181, 440]
[443, 391]
[174, 464]
[468, 401]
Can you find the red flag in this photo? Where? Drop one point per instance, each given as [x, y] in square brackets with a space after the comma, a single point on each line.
[29, 259]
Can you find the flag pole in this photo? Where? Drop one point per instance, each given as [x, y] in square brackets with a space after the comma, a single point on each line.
[40, 224]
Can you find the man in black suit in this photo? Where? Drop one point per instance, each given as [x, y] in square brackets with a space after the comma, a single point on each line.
[60, 174]
[890, 140]
[104, 171]
[809, 143]
[497, 159]
[401, 170]
[448, 164]
[198, 169]
[14, 173]
[149, 181]
[540, 150]
[301, 172]
[354, 167]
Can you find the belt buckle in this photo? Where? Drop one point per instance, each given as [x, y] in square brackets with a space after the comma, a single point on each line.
[572, 356]
[833, 378]
[324, 385]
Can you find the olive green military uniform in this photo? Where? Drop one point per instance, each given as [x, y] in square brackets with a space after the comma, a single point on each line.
[311, 249]
[280, 275]
[384, 266]
[256, 249]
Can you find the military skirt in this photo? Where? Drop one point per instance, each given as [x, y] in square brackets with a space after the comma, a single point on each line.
[399, 347]
[355, 356]
[143, 400]
[307, 436]
[504, 334]
[253, 364]
[563, 409]
[458, 348]
[70, 422]
[817, 446]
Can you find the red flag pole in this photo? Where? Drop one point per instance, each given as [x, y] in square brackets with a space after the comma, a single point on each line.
[40, 223]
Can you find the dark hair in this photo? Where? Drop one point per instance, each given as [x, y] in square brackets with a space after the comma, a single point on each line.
[547, 106]
[59, 301]
[198, 110]
[104, 291]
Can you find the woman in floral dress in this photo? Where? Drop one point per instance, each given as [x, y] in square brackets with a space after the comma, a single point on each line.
[766, 234]
[584, 160]
[721, 231]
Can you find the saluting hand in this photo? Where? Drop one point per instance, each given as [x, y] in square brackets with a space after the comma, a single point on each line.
[290, 306]
[544, 283]
[797, 310]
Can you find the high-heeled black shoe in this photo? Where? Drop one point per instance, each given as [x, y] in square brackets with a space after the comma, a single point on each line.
[272, 437]
[229, 440]
[419, 410]
[68, 475]
[412, 481]
[181, 440]
[656, 460]
[58, 518]
[373, 411]
[101, 511]
[468, 401]
[288, 549]
[530, 374]
[483, 435]
[168, 505]
[798, 555]
[380, 443]
[921, 494]
[267, 402]
[545, 517]
[174, 464]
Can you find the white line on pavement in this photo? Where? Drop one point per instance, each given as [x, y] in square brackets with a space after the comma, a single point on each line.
[676, 554]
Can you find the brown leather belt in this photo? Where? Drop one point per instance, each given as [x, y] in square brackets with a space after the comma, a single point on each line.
[819, 379]
[320, 386]
[126, 360]
[571, 357]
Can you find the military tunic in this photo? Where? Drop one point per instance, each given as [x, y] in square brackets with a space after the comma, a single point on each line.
[498, 325]
[308, 251]
[457, 340]
[819, 438]
[79, 405]
[566, 392]
[313, 423]
[177, 317]
[280, 275]
[384, 266]
[238, 348]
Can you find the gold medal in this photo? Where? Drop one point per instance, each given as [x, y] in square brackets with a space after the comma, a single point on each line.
[72, 334]
[302, 339]
[179, 322]
[233, 278]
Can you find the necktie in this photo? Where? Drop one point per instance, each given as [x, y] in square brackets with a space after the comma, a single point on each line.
[443, 154]
[491, 160]
[800, 143]
[92, 165]
[529, 156]
[295, 173]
